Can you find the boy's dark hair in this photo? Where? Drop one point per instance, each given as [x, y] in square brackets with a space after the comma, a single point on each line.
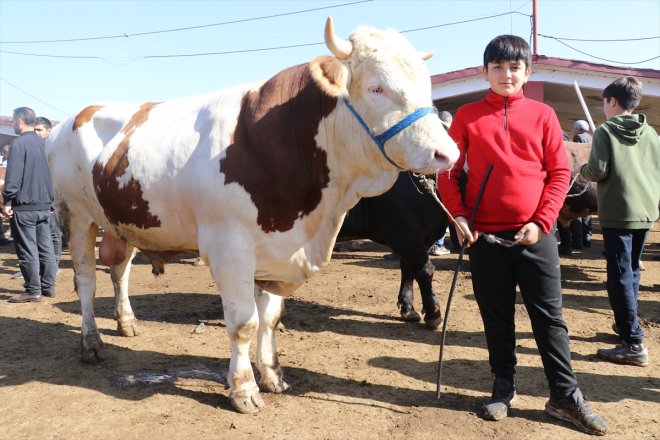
[627, 90]
[26, 114]
[44, 121]
[508, 48]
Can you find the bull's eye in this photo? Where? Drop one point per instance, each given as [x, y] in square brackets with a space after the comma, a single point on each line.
[376, 90]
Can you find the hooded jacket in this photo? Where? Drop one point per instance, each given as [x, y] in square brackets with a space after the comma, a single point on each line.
[625, 163]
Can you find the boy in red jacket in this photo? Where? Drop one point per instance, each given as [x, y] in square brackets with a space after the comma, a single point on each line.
[523, 141]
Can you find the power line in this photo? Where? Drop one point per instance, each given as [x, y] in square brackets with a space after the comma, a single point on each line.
[139, 34]
[559, 40]
[32, 96]
[252, 50]
[600, 40]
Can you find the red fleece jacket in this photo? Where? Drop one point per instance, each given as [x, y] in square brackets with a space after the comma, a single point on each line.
[523, 140]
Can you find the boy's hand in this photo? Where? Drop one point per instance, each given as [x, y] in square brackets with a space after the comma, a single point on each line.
[530, 233]
[462, 225]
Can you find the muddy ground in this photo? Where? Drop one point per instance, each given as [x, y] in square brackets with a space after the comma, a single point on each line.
[356, 370]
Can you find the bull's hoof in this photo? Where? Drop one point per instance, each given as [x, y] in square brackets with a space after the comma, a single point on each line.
[246, 402]
[410, 316]
[433, 322]
[90, 353]
[274, 386]
[128, 327]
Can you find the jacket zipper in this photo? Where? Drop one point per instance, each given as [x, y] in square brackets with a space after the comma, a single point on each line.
[506, 106]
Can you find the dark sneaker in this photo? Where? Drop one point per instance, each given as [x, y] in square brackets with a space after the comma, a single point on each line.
[574, 409]
[624, 353]
[6, 240]
[504, 394]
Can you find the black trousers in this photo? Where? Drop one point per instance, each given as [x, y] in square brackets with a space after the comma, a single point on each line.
[34, 249]
[496, 270]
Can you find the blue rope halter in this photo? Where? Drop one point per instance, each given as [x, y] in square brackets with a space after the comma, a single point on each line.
[393, 130]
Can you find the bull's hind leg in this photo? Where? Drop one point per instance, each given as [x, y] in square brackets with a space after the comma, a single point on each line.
[232, 268]
[271, 311]
[126, 323]
[82, 241]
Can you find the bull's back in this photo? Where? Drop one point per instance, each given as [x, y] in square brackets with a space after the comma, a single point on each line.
[126, 165]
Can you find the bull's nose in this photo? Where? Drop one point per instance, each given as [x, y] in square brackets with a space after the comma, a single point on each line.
[444, 161]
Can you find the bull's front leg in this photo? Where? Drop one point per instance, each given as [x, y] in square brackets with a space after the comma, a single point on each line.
[432, 312]
[405, 300]
[119, 274]
[232, 268]
[271, 311]
[82, 241]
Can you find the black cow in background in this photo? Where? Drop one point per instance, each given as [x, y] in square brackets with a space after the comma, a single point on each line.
[409, 220]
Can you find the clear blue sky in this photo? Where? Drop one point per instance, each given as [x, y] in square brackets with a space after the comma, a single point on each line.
[118, 68]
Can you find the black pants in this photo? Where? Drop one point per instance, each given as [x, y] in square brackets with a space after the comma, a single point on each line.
[496, 271]
[34, 249]
[56, 236]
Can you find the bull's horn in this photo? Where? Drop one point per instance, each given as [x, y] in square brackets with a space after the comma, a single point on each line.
[341, 48]
[426, 55]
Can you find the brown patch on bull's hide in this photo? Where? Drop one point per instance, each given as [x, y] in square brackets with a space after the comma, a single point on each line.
[126, 204]
[274, 155]
[85, 116]
[139, 117]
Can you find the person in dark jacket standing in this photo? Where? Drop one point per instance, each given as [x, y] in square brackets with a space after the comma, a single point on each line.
[28, 197]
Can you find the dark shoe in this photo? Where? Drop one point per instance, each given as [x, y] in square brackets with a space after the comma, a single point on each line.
[631, 354]
[504, 394]
[392, 256]
[574, 409]
[48, 294]
[6, 240]
[24, 298]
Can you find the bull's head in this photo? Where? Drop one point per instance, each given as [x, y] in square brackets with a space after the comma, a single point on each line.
[385, 84]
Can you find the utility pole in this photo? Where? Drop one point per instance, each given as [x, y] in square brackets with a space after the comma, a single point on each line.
[535, 26]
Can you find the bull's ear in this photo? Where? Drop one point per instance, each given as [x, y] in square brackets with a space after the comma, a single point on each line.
[330, 75]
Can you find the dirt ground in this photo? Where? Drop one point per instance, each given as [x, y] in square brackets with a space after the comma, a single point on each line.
[357, 372]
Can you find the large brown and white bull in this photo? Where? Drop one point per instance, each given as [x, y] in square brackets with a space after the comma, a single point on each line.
[257, 178]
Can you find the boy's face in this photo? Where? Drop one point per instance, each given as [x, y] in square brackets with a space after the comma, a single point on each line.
[506, 78]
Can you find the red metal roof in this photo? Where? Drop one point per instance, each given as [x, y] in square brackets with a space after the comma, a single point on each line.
[556, 62]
